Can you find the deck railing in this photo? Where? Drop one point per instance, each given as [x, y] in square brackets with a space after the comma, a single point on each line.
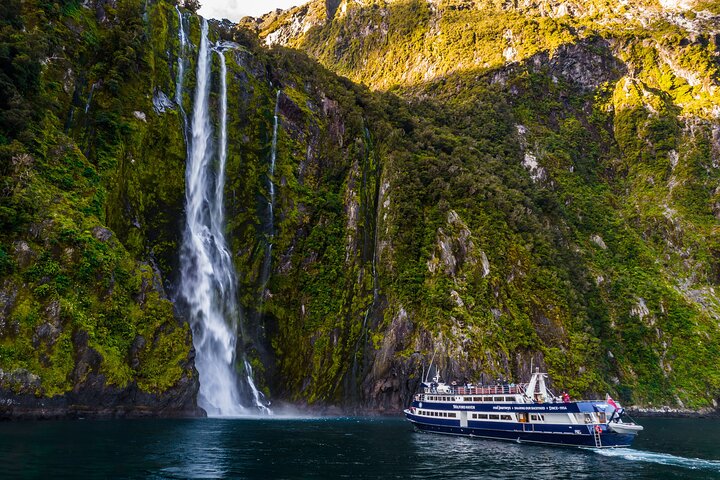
[483, 390]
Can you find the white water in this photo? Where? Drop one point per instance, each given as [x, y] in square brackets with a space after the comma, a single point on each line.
[273, 157]
[181, 62]
[661, 458]
[267, 262]
[180, 81]
[219, 210]
[90, 96]
[208, 277]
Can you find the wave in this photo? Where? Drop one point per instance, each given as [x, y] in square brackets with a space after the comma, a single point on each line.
[661, 458]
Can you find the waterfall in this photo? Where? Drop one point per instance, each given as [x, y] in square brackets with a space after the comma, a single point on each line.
[208, 280]
[267, 262]
[219, 210]
[179, 83]
[371, 216]
[273, 157]
[90, 96]
[376, 202]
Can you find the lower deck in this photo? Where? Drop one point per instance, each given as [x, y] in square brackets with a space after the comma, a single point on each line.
[584, 436]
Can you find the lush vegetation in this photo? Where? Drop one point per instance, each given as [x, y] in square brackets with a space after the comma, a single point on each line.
[68, 138]
[603, 249]
[519, 187]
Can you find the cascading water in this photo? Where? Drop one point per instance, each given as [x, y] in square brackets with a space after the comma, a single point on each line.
[179, 83]
[267, 262]
[208, 278]
[90, 96]
[370, 220]
[219, 210]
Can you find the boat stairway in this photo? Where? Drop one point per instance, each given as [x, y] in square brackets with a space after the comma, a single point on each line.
[596, 434]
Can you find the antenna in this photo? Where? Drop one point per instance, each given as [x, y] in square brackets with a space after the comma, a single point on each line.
[531, 366]
[430, 366]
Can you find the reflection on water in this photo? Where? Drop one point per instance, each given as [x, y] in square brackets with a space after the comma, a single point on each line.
[312, 448]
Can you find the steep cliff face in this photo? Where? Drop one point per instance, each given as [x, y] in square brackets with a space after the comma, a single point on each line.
[556, 197]
[539, 187]
[93, 181]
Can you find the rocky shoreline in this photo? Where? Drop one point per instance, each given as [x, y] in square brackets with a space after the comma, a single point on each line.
[127, 404]
[134, 404]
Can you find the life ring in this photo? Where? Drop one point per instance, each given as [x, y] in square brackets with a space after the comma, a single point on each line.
[598, 428]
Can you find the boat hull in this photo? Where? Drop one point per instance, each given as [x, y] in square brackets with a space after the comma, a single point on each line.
[515, 432]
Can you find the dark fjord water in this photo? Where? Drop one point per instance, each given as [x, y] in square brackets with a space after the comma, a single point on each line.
[335, 448]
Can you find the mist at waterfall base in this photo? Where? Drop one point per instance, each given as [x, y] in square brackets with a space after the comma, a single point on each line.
[208, 279]
[358, 448]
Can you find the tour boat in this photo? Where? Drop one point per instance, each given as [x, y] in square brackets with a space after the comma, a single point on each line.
[523, 413]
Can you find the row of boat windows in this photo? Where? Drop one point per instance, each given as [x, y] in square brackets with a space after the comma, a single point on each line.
[429, 413]
[489, 416]
[485, 416]
[441, 398]
[492, 416]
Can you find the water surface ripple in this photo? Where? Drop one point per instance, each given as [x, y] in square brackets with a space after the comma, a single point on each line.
[319, 448]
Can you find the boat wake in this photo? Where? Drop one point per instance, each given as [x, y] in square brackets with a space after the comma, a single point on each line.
[662, 459]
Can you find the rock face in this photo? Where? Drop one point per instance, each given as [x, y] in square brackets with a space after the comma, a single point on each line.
[528, 184]
[88, 223]
[91, 396]
[583, 89]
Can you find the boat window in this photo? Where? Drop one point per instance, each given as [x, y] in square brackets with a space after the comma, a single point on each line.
[498, 399]
[505, 417]
[452, 415]
[509, 399]
[601, 417]
[482, 416]
[494, 417]
[537, 418]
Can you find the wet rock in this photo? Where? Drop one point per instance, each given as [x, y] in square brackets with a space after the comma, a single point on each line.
[24, 255]
[8, 296]
[48, 332]
[161, 102]
[135, 349]
[102, 234]
[597, 240]
[454, 248]
[20, 379]
[92, 396]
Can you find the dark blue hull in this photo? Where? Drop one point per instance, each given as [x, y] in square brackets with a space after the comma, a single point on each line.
[515, 432]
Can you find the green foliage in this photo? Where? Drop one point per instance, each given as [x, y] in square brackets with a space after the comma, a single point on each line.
[65, 274]
[601, 259]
